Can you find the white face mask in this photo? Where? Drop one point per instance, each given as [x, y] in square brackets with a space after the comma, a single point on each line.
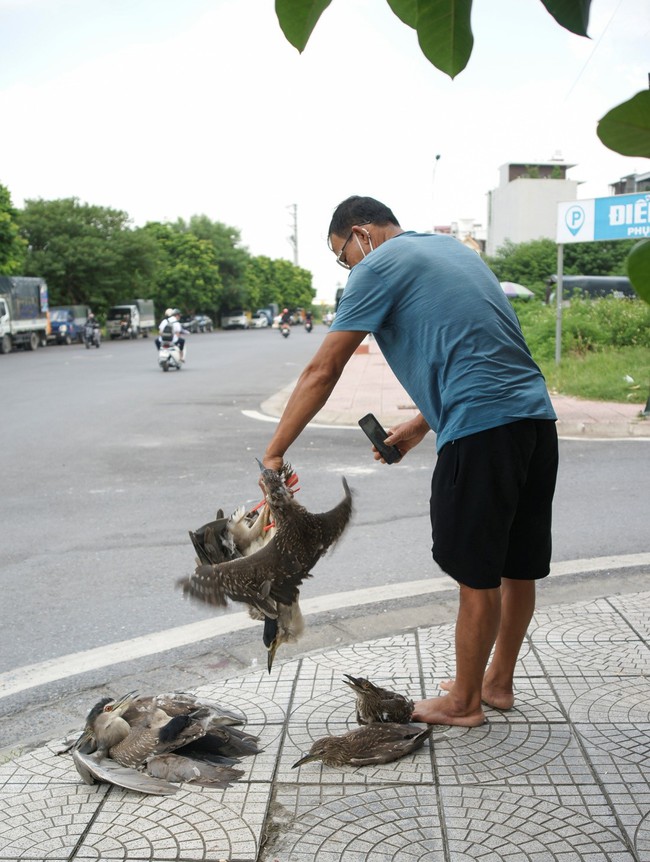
[361, 247]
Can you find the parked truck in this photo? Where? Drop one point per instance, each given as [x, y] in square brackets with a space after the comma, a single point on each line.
[130, 319]
[67, 323]
[23, 313]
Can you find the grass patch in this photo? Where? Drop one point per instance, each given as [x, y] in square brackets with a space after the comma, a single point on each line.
[602, 376]
[604, 342]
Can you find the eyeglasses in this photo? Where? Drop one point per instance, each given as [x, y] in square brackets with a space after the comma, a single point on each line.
[339, 256]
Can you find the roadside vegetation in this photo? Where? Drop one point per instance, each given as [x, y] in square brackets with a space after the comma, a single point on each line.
[605, 352]
[93, 255]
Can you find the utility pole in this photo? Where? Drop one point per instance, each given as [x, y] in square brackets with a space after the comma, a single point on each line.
[293, 238]
[433, 197]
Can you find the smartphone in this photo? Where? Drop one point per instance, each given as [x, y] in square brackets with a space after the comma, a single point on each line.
[376, 434]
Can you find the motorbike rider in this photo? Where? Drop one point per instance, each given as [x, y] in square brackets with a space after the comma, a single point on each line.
[91, 326]
[171, 332]
[285, 320]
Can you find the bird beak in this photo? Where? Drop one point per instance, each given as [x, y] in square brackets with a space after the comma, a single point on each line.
[121, 705]
[306, 759]
[273, 647]
[262, 467]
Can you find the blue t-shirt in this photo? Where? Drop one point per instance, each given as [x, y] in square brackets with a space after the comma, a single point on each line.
[448, 332]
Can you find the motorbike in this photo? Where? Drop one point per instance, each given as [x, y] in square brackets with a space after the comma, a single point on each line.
[169, 356]
[285, 330]
[308, 326]
[92, 336]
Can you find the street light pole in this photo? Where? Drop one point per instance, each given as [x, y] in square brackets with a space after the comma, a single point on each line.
[433, 182]
[293, 238]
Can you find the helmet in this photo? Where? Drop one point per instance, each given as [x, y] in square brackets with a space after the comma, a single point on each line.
[285, 311]
[176, 312]
[169, 312]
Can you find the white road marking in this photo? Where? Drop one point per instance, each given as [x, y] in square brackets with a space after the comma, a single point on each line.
[263, 417]
[30, 676]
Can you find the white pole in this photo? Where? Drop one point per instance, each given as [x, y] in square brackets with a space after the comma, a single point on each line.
[558, 298]
[433, 193]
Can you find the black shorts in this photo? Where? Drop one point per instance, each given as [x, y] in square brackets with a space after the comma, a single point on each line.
[491, 499]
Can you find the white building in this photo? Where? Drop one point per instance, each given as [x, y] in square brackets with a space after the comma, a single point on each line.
[524, 206]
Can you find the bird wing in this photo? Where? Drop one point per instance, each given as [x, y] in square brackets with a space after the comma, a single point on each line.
[174, 767]
[251, 580]
[107, 771]
[333, 522]
[213, 542]
[383, 743]
[184, 703]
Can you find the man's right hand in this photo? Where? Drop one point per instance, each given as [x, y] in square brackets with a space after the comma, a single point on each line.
[273, 462]
[406, 435]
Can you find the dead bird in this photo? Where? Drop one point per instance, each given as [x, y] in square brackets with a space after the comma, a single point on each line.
[375, 704]
[148, 743]
[369, 745]
[268, 579]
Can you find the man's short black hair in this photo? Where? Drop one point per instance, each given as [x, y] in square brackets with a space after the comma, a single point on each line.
[359, 210]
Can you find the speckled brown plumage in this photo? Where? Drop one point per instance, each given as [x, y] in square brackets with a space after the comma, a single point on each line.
[176, 737]
[369, 745]
[268, 580]
[375, 704]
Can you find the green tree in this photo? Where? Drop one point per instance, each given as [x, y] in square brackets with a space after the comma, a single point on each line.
[87, 254]
[231, 256]
[13, 247]
[445, 37]
[277, 281]
[186, 271]
[531, 263]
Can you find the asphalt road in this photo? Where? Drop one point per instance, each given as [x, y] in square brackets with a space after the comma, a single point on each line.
[108, 462]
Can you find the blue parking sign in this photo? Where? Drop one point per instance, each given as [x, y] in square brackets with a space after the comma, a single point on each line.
[618, 217]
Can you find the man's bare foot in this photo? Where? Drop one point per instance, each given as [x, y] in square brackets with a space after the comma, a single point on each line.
[493, 696]
[442, 710]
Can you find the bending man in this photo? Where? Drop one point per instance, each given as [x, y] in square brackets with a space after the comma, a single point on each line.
[453, 340]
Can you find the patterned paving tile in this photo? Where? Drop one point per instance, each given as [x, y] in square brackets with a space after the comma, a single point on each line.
[390, 824]
[493, 823]
[563, 776]
[40, 823]
[192, 825]
[620, 756]
[438, 658]
[593, 638]
[40, 766]
[350, 824]
[605, 698]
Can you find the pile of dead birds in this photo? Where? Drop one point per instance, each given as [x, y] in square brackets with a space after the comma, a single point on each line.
[151, 744]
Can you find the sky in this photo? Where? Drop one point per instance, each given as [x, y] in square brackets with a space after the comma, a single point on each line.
[171, 108]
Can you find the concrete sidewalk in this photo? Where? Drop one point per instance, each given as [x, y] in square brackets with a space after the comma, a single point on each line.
[367, 385]
[563, 776]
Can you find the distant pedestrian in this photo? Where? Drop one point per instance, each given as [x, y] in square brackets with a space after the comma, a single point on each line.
[453, 340]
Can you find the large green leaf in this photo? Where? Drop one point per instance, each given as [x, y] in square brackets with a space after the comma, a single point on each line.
[626, 128]
[406, 11]
[573, 15]
[445, 33]
[638, 268]
[298, 18]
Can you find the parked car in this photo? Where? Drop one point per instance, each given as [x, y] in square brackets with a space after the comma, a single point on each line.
[234, 319]
[259, 320]
[189, 322]
[204, 322]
